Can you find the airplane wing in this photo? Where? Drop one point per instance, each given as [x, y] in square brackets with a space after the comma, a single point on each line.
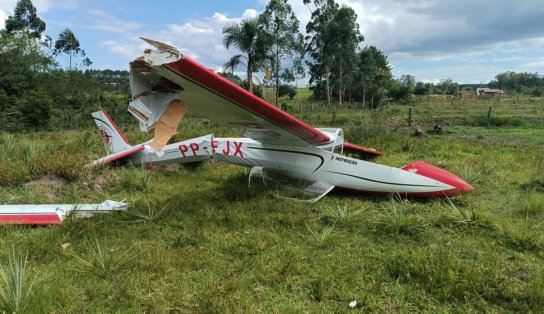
[163, 77]
[352, 148]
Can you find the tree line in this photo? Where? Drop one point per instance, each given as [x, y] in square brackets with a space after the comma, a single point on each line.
[34, 88]
[339, 66]
[37, 93]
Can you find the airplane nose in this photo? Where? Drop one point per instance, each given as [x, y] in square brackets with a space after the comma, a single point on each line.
[459, 185]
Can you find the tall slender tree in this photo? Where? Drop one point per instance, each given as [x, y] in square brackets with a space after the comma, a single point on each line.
[25, 19]
[374, 75]
[317, 45]
[252, 41]
[280, 22]
[343, 36]
[68, 43]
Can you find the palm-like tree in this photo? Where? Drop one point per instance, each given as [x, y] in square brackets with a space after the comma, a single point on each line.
[249, 38]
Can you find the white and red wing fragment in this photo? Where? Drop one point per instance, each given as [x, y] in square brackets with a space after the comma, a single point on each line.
[210, 96]
[47, 214]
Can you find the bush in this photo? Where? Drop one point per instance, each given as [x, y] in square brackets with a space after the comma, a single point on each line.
[36, 109]
[287, 90]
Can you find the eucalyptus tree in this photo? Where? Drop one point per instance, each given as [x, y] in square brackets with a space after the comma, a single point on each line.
[249, 38]
[23, 59]
[25, 20]
[280, 22]
[374, 75]
[343, 36]
[68, 43]
[318, 45]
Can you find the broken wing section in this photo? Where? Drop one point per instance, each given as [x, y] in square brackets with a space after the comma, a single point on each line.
[164, 77]
[295, 186]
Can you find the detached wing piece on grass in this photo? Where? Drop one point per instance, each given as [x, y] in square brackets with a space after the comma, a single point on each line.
[53, 213]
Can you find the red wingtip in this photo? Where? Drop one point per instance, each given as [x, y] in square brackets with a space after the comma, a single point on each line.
[424, 169]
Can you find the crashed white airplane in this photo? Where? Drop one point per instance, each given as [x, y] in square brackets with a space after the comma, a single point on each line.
[280, 149]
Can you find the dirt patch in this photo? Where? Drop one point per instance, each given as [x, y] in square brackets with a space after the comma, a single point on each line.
[49, 180]
[46, 186]
[101, 182]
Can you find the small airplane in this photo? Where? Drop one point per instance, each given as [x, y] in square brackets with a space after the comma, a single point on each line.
[121, 151]
[283, 152]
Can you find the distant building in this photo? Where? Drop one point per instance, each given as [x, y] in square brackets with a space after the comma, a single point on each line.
[466, 94]
[491, 92]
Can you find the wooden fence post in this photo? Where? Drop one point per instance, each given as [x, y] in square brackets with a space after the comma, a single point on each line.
[410, 116]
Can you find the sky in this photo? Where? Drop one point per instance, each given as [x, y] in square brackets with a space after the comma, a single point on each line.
[467, 41]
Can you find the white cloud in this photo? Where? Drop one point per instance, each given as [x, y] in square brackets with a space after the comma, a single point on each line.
[127, 50]
[3, 18]
[250, 13]
[109, 23]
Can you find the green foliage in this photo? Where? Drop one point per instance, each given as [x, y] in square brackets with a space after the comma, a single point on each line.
[26, 20]
[9, 145]
[395, 218]
[103, 261]
[280, 23]
[250, 39]
[332, 47]
[374, 76]
[68, 43]
[16, 289]
[342, 215]
[445, 275]
[137, 179]
[36, 110]
[320, 236]
[287, 90]
[519, 82]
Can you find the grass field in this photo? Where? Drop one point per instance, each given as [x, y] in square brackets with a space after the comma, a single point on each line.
[195, 239]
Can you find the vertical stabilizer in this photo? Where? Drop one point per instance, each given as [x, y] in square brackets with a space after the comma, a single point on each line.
[112, 136]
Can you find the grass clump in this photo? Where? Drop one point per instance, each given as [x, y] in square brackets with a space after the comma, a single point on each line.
[136, 179]
[342, 215]
[320, 236]
[16, 290]
[9, 145]
[395, 218]
[104, 261]
[146, 210]
[461, 215]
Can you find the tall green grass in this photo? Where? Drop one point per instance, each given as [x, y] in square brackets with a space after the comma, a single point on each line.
[16, 288]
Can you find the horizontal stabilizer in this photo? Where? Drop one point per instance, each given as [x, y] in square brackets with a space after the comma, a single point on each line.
[117, 156]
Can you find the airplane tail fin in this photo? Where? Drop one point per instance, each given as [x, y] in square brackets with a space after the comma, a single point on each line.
[112, 136]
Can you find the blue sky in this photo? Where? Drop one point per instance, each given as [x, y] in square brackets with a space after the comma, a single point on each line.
[468, 41]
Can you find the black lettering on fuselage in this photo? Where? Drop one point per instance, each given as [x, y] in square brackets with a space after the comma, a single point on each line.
[348, 161]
